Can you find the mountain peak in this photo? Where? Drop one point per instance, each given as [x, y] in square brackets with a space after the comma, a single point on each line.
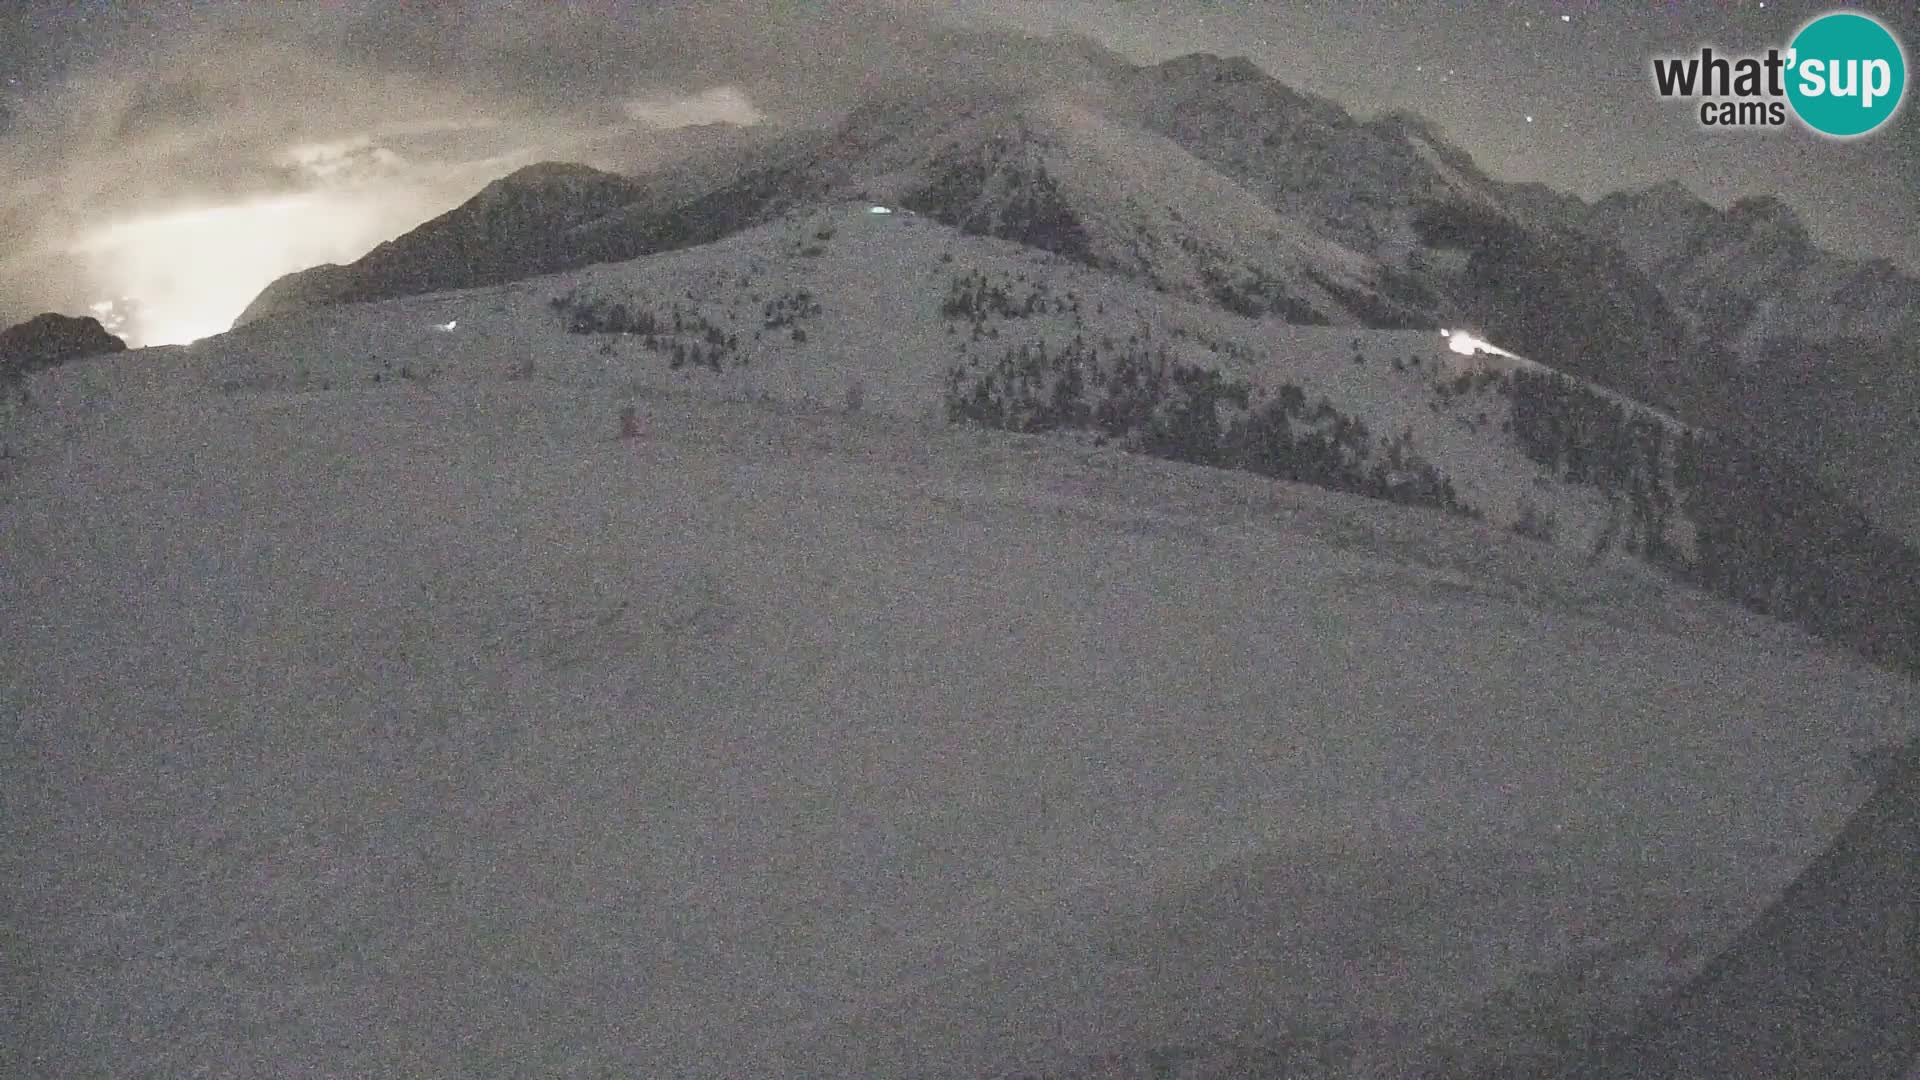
[547, 171]
[576, 193]
[548, 174]
[1215, 67]
[51, 338]
[1667, 196]
[1407, 121]
[1671, 192]
[1417, 129]
[516, 226]
[1766, 211]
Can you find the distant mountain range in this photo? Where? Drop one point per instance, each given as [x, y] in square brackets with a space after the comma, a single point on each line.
[1205, 178]
[1827, 347]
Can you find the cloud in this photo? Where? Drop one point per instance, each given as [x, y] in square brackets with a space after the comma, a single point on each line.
[720, 105]
[190, 192]
[339, 125]
[173, 103]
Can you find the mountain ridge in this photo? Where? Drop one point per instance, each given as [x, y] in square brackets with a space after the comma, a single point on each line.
[50, 339]
[1209, 178]
[1827, 348]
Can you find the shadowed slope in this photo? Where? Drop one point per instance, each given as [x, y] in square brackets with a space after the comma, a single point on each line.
[407, 729]
[516, 227]
[1826, 983]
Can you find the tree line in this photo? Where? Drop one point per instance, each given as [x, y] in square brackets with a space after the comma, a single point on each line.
[1141, 398]
[1767, 534]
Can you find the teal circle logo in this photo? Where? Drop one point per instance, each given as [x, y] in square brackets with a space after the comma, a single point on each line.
[1846, 75]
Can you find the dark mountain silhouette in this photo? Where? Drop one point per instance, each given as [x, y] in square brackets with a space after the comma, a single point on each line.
[52, 339]
[516, 227]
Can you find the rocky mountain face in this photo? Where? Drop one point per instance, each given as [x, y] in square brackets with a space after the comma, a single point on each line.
[1828, 347]
[1359, 182]
[1513, 262]
[1749, 275]
[52, 339]
[517, 227]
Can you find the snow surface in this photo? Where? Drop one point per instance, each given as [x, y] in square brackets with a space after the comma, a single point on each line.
[879, 284]
[425, 727]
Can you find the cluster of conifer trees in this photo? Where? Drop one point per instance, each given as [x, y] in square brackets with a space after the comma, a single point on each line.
[1766, 534]
[1145, 400]
[685, 337]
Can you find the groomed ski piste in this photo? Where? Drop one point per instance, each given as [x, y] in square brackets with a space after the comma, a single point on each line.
[428, 726]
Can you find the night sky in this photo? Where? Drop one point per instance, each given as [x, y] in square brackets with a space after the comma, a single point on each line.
[111, 113]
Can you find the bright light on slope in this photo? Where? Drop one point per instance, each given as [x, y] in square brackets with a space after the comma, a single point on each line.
[1467, 345]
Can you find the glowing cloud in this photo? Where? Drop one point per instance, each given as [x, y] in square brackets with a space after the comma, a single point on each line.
[192, 271]
[720, 105]
[344, 160]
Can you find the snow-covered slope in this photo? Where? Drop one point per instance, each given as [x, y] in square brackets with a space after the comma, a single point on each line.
[1206, 177]
[823, 304]
[1202, 176]
[1139, 205]
[1827, 981]
[376, 708]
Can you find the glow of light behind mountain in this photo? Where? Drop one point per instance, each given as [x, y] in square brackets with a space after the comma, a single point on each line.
[192, 271]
